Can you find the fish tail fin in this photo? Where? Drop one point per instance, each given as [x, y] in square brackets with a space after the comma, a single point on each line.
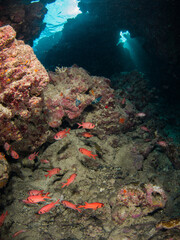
[46, 175]
[46, 195]
[6, 213]
[93, 156]
[80, 206]
[68, 130]
[63, 185]
[78, 210]
[57, 201]
[80, 125]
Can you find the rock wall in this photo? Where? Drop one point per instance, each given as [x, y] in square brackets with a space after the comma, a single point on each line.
[23, 79]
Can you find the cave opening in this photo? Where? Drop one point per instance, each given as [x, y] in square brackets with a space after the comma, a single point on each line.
[58, 12]
[137, 55]
[106, 42]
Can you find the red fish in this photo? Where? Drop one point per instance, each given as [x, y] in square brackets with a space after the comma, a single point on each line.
[2, 218]
[147, 140]
[144, 128]
[70, 205]
[86, 134]
[69, 180]
[35, 192]
[26, 201]
[162, 143]
[19, 232]
[61, 134]
[106, 106]
[2, 156]
[7, 146]
[37, 198]
[87, 153]
[33, 156]
[141, 114]
[94, 205]
[45, 161]
[123, 101]
[122, 120]
[14, 154]
[52, 172]
[48, 207]
[87, 125]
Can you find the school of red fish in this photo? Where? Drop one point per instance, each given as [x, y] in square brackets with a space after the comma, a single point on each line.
[37, 196]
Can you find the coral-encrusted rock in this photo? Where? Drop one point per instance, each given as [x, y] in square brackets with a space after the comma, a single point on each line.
[7, 35]
[69, 86]
[155, 196]
[4, 170]
[133, 201]
[72, 90]
[22, 80]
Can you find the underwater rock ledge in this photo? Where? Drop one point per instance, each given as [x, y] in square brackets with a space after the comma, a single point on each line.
[32, 103]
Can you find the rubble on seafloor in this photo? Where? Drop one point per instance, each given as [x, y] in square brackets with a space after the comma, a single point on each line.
[132, 175]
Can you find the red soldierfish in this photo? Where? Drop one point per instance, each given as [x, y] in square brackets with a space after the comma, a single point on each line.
[14, 154]
[69, 180]
[37, 198]
[70, 205]
[19, 232]
[2, 156]
[86, 134]
[26, 201]
[94, 205]
[61, 134]
[44, 161]
[123, 101]
[86, 125]
[2, 218]
[87, 153]
[144, 128]
[147, 140]
[35, 192]
[48, 207]
[7, 146]
[162, 143]
[33, 156]
[52, 172]
[141, 114]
